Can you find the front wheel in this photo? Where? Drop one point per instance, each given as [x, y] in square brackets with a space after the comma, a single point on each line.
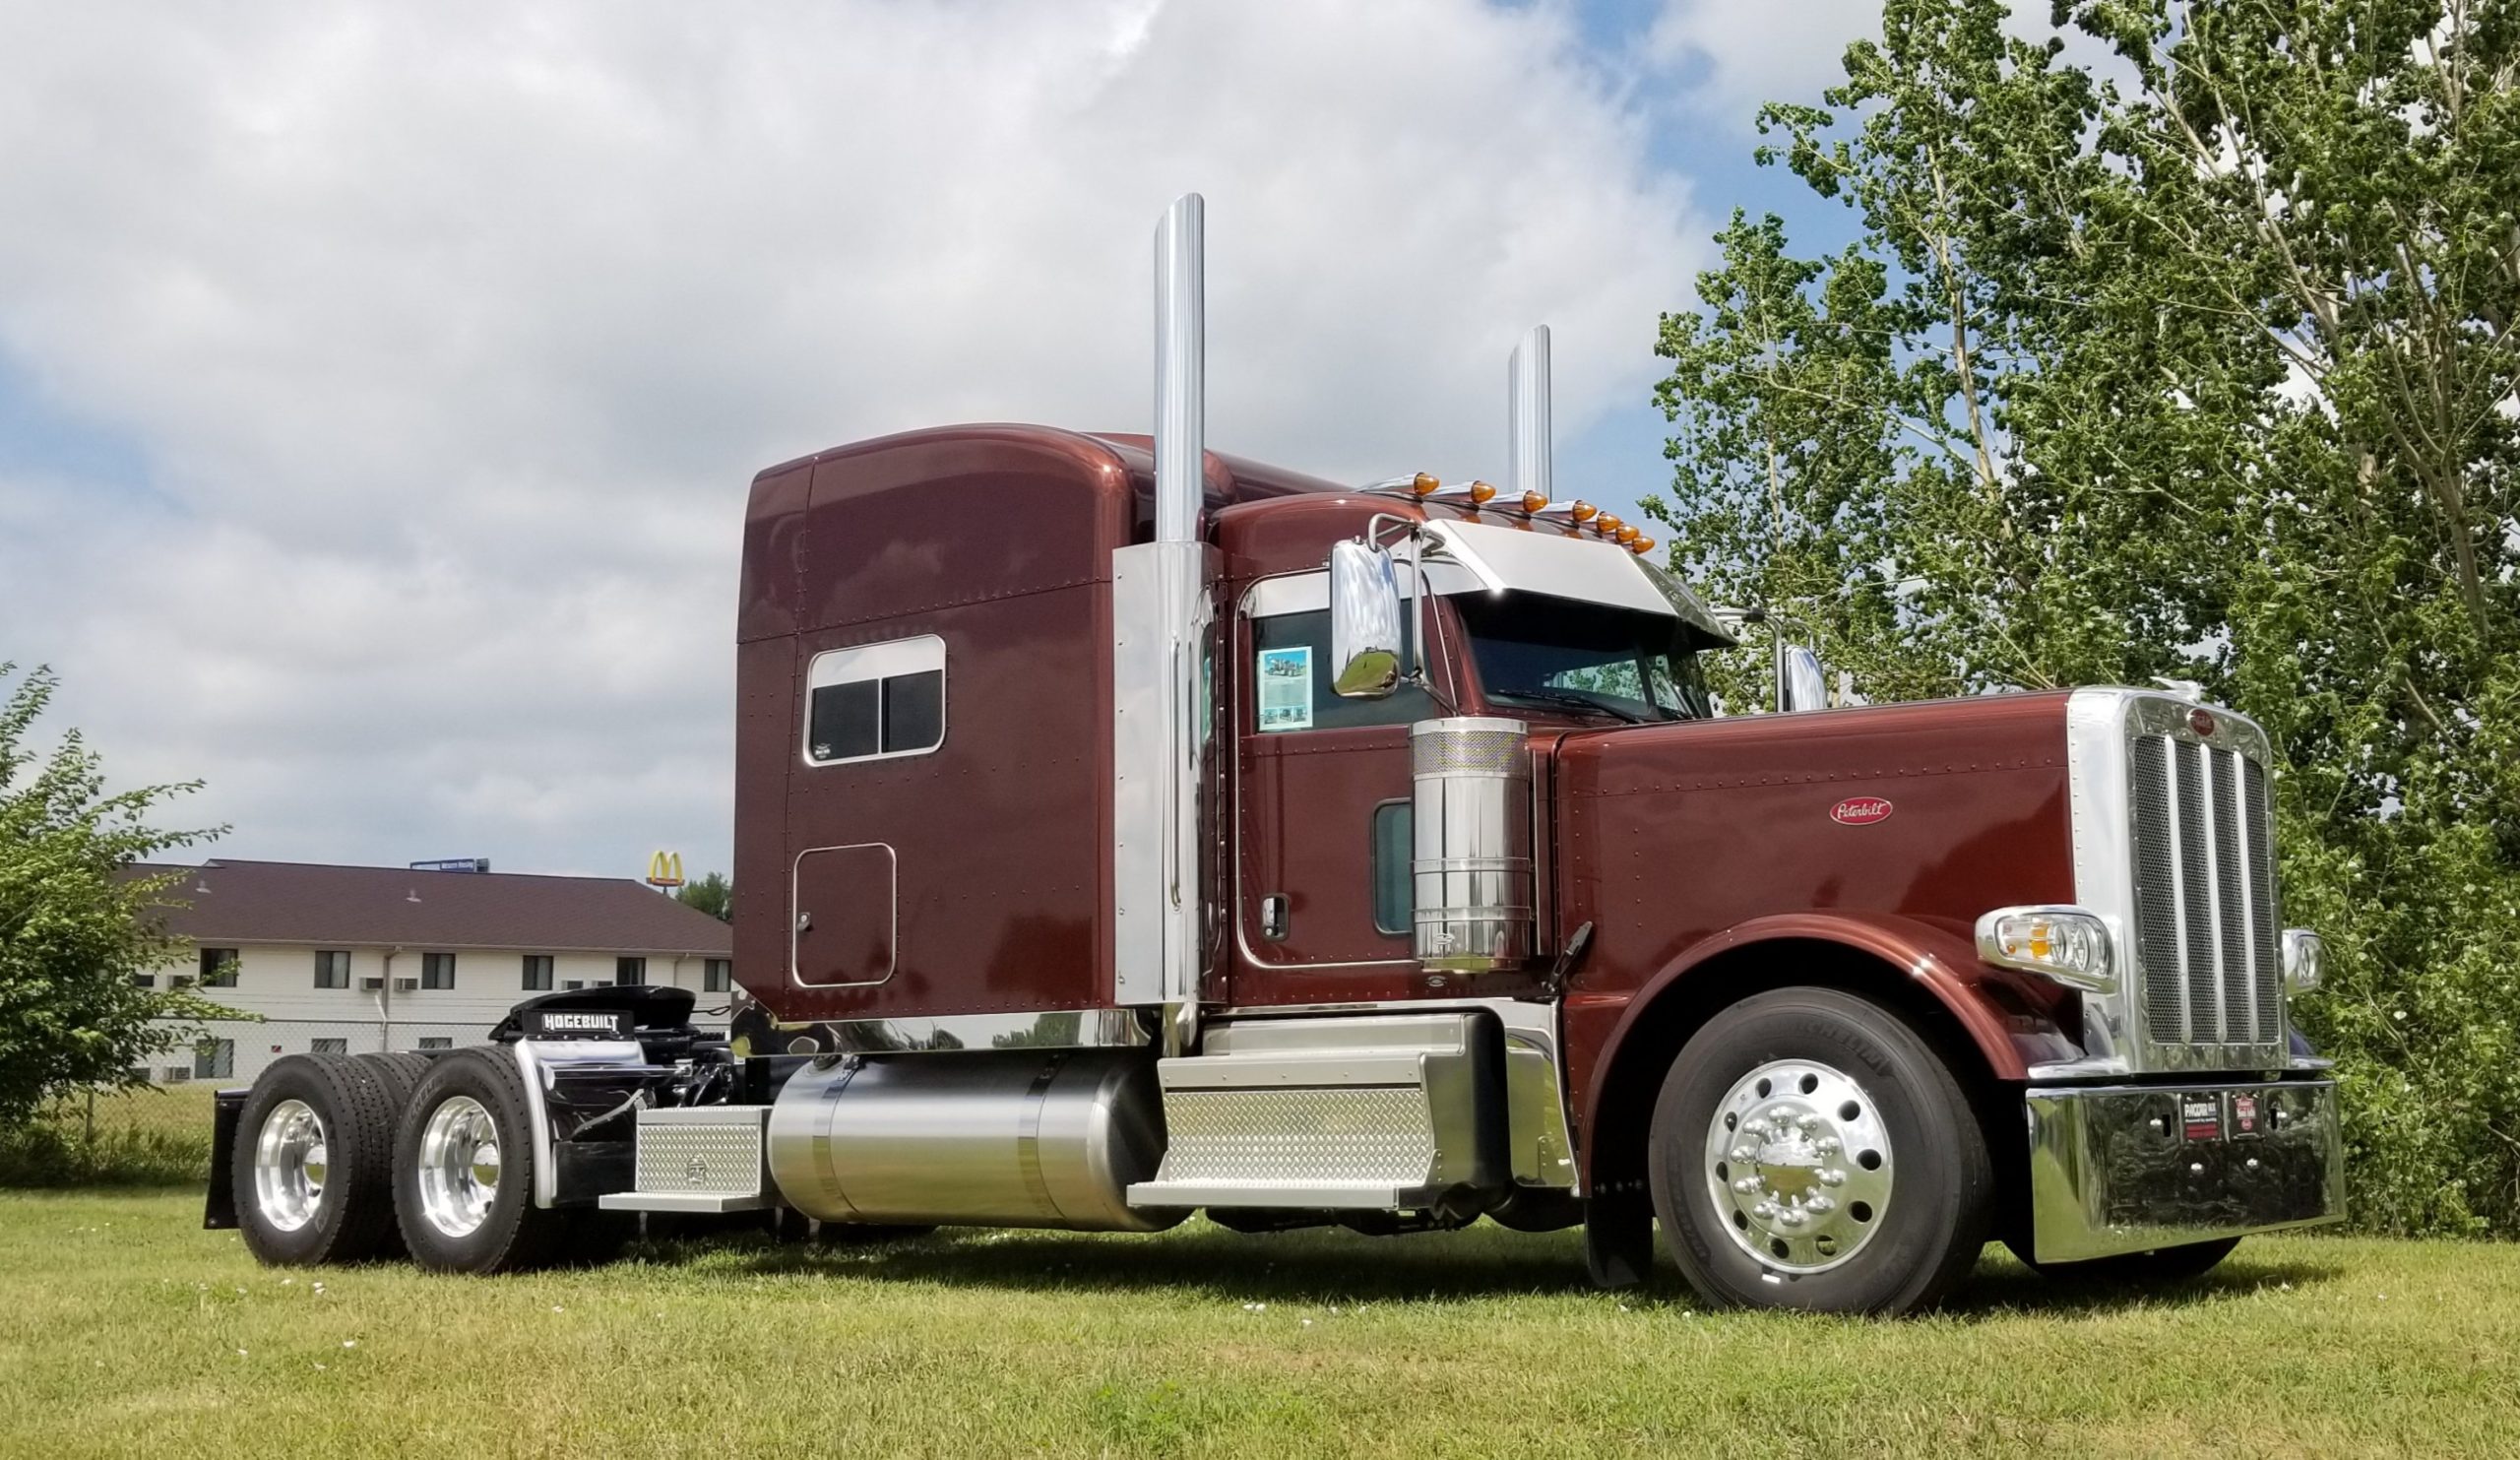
[1811, 1151]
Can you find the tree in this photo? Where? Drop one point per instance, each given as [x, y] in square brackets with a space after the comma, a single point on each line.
[712, 894]
[2192, 362]
[74, 925]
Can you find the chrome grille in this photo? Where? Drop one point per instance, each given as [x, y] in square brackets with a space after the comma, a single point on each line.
[2205, 934]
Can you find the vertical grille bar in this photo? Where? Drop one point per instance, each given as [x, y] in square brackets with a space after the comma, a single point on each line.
[2267, 973]
[2196, 864]
[2157, 890]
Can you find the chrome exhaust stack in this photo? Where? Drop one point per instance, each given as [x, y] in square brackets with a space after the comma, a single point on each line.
[1527, 423]
[1160, 606]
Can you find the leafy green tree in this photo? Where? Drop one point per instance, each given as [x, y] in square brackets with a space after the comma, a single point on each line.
[712, 894]
[2197, 363]
[74, 925]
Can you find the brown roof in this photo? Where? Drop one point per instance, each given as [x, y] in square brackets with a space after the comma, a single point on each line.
[305, 902]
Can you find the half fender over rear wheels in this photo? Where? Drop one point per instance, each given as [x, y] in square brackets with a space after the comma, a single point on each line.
[463, 1170]
[1810, 1149]
[312, 1168]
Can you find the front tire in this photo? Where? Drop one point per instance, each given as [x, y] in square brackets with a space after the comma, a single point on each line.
[1810, 1149]
[311, 1170]
[463, 1170]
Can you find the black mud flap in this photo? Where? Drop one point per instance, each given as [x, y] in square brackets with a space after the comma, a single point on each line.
[218, 1210]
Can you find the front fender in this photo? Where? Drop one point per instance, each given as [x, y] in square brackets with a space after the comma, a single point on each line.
[1998, 1009]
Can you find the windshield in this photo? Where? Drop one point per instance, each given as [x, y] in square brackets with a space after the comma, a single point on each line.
[1555, 652]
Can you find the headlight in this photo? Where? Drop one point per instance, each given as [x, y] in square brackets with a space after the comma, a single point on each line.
[2304, 959]
[2070, 945]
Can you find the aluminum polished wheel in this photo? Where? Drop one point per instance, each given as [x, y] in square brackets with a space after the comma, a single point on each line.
[1799, 1162]
[289, 1163]
[459, 1165]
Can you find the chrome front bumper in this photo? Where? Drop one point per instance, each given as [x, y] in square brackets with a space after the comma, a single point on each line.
[2128, 1168]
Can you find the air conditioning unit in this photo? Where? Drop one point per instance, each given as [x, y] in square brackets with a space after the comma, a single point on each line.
[372, 985]
[405, 985]
[575, 984]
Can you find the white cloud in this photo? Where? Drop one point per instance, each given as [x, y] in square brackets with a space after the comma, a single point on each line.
[451, 333]
[1744, 53]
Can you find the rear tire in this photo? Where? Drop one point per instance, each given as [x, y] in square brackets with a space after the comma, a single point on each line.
[313, 1158]
[2161, 1267]
[1811, 1151]
[463, 1170]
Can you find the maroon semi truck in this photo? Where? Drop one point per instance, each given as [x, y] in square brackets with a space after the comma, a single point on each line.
[1128, 830]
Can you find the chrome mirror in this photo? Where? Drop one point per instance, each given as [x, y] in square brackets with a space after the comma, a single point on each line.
[1800, 683]
[1365, 623]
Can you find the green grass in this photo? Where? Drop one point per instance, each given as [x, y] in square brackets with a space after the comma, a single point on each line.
[125, 1329]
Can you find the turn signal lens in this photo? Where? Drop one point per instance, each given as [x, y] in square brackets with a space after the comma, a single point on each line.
[2069, 945]
[1582, 511]
[2304, 959]
[1533, 501]
[1481, 492]
[1423, 484]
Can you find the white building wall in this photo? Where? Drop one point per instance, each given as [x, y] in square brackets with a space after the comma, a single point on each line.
[277, 982]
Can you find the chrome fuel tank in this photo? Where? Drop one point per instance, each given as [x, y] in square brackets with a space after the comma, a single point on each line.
[987, 1138]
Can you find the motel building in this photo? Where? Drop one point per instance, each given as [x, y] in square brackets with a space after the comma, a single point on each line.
[350, 959]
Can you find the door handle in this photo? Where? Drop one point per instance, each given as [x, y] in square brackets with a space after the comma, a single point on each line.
[1273, 916]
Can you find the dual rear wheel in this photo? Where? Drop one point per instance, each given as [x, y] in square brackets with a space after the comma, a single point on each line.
[343, 1157]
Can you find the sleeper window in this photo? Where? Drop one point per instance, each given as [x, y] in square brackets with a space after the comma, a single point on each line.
[876, 701]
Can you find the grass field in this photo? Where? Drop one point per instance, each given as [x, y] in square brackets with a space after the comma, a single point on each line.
[125, 1329]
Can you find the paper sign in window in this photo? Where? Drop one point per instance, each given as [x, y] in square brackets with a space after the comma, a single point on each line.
[1286, 689]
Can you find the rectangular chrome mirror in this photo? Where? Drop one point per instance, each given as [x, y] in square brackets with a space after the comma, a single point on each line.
[1365, 623]
[1800, 682]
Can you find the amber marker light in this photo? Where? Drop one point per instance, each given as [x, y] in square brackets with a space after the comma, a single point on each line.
[1423, 484]
[1641, 547]
[1626, 532]
[1481, 493]
[1582, 511]
[1533, 501]
[1606, 524]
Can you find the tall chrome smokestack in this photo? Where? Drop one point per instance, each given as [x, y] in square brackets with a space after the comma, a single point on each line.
[1180, 369]
[1527, 428]
[1162, 595]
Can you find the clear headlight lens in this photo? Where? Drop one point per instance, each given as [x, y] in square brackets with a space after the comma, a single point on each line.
[2070, 945]
[2304, 959]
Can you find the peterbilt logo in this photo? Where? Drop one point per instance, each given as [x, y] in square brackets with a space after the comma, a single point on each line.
[697, 1173]
[1859, 810]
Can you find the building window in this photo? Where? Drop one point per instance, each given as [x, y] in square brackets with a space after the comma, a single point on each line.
[538, 972]
[437, 971]
[876, 701]
[332, 967]
[1394, 898]
[334, 1045]
[214, 1060]
[143, 981]
[436, 1041]
[217, 968]
[716, 975]
[575, 985]
[627, 970]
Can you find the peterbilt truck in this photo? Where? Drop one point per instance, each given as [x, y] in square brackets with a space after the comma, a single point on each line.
[1128, 830]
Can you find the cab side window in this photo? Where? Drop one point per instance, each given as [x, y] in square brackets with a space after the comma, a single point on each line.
[876, 701]
[1291, 673]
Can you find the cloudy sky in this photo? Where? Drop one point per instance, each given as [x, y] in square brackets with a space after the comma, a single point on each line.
[379, 385]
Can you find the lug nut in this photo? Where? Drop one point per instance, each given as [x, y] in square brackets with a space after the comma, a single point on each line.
[1832, 1176]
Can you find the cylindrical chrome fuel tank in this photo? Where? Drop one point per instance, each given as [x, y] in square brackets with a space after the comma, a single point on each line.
[987, 1138]
[1473, 836]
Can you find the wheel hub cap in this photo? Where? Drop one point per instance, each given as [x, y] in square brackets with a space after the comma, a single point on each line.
[459, 1165]
[1798, 1164]
[289, 1161]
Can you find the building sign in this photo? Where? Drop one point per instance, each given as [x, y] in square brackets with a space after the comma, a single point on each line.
[454, 864]
[665, 869]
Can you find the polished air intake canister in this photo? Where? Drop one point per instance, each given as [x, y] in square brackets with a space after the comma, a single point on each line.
[1472, 868]
[984, 1137]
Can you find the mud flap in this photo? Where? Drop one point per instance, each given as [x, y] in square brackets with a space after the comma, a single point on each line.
[1619, 1240]
[218, 1209]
